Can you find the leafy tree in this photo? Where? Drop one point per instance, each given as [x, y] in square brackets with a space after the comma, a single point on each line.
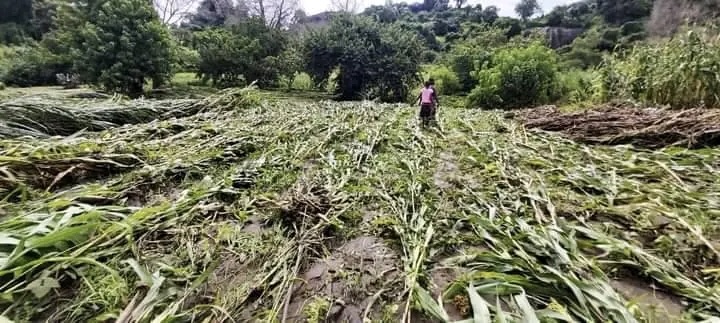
[527, 8]
[118, 45]
[214, 13]
[621, 11]
[491, 14]
[246, 52]
[372, 60]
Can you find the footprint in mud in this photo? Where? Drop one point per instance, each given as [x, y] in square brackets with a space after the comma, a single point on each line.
[355, 279]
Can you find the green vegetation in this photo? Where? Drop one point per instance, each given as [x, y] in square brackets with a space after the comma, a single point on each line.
[683, 72]
[269, 202]
[187, 218]
[244, 53]
[517, 77]
[372, 60]
[119, 46]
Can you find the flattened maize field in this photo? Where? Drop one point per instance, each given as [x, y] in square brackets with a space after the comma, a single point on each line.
[244, 208]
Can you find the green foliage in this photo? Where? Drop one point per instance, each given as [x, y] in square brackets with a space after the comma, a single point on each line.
[446, 82]
[31, 65]
[576, 15]
[682, 72]
[298, 81]
[12, 33]
[518, 77]
[578, 85]
[470, 55]
[240, 54]
[119, 45]
[186, 59]
[622, 11]
[373, 60]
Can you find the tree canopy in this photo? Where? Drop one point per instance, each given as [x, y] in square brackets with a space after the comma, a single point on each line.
[371, 59]
[118, 45]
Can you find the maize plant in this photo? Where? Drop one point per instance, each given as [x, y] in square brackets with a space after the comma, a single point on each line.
[239, 208]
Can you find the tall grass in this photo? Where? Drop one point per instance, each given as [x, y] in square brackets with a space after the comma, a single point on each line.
[682, 72]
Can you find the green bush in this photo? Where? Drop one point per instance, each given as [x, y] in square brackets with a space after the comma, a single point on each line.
[681, 72]
[31, 66]
[299, 81]
[518, 77]
[446, 81]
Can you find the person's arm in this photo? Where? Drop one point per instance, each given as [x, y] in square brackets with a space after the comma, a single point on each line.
[435, 96]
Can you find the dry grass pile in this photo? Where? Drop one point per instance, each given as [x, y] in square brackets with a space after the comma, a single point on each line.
[623, 124]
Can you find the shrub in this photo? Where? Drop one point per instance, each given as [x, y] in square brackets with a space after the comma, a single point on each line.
[681, 72]
[31, 66]
[299, 81]
[446, 81]
[518, 77]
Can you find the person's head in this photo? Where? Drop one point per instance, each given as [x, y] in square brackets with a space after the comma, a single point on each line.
[427, 84]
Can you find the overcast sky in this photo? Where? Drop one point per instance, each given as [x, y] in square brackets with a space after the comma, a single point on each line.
[507, 7]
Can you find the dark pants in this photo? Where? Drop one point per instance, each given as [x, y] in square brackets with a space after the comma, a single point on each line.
[427, 114]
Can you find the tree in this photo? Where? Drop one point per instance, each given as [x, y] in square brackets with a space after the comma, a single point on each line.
[299, 17]
[242, 53]
[350, 6]
[275, 13]
[372, 60]
[527, 8]
[213, 13]
[172, 11]
[460, 3]
[491, 14]
[118, 45]
[621, 11]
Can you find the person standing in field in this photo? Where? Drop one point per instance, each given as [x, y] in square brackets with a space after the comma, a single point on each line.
[428, 104]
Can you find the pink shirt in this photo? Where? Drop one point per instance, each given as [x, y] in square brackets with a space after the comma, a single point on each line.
[427, 95]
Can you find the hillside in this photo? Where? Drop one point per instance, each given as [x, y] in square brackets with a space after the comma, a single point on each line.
[668, 15]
